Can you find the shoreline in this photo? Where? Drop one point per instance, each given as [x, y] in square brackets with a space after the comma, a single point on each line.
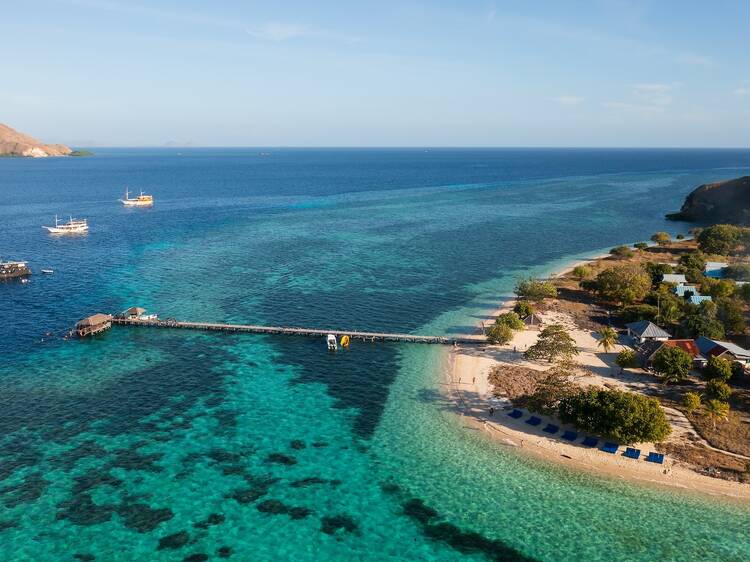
[464, 380]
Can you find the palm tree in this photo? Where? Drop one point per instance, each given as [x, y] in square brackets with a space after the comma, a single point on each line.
[716, 410]
[607, 339]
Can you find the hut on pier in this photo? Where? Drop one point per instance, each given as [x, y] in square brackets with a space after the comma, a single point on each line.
[133, 313]
[94, 324]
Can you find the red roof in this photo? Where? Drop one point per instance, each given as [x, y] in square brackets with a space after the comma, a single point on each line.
[687, 345]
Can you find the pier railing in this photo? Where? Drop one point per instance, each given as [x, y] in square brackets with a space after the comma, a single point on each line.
[309, 332]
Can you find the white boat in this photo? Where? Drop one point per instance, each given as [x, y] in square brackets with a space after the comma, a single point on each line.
[142, 200]
[73, 226]
[331, 341]
[48, 271]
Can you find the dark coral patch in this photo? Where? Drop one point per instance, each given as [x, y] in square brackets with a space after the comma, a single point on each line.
[213, 519]
[18, 459]
[174, 541]
[29, 490]
[390, 488]
[81, 510]
[224, 552]
[313, 481]
[94, 478]
[88, 448]
[221, 455]
[276, 507]
[331, 524]
[279, 458]
[84, 556]
[320, 444]
[297, 444]
[226, 418]
[416, 509]
[142, 517]
[197, 557]
[247, 495]
[8, 524]
[132, 459]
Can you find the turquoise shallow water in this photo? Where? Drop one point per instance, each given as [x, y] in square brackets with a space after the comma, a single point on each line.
[159, 445]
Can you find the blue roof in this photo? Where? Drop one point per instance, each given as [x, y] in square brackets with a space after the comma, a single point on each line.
[697, 299]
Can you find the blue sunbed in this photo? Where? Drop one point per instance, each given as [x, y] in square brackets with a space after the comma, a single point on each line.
[632, 453]
[658, 458]
[570, 435]
[516, 414]
[610, 447]
[533, 420]
[590, 442]
[551, 428]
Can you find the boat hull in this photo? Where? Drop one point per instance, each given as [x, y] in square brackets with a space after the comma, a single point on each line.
[55, 230]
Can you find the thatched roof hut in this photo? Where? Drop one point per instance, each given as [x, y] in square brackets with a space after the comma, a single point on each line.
[93, 324]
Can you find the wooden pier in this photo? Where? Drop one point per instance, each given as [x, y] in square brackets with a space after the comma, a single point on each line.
[308, 332]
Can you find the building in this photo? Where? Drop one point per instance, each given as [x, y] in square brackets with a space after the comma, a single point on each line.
[697, 299]
[648, 350]
[675, 278]
[682, 288]
[532, 321]
[724, 349]
[715, 269]
[133, 312]
[93, 325]
[644, 331]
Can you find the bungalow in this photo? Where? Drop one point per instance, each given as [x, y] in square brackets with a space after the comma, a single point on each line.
[648, 350]
[133, 312]
[532, 321]
[725, 349]
[644, 331]
[682, 288]
[697, 299]
[715, 269]
[93, 325]
[675, 278]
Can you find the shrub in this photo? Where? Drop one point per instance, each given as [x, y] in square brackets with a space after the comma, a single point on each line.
[716, 409]
[661, 238]
[626, 359]
[680, 237]
[535, 289]
[672, 364]
[553, 342]
[719, 390]
[739, 272]
[511, 320]
[582, 272]
[624, 284]
[717, 288]
[744, 292]
[636, 312]
[718, 368]
[729, 312]
[550, 391]
[719, 239]
[701, 321]
[640, 245]
[499, 334]
[622, 252]
[657, 270]
[693, 260]
[623, 416]
[691, 401]
[523, 309]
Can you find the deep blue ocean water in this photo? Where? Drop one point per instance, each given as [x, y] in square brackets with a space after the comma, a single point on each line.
[157, 445]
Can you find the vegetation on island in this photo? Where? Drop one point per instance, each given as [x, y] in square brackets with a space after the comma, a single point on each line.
[672, 364]
[81, 153]
[535, 290]
[501, 332]
[553, 343]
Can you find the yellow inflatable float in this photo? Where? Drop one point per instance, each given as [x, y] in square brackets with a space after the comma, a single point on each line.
[344, 341]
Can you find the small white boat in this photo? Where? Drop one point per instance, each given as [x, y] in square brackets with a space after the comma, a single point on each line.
[48, 271]
[142, 200]
[148, 317]
[331, 341]
[73, 226]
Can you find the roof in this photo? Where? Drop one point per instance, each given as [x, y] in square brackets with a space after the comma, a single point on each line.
[715, 269]
[94, 320]
[646, 329]
[697, 299]
[686, 345]
[734, 349]
[531, 319]
[682, 288]
[649, 347]
[134, 311]
[673, 278]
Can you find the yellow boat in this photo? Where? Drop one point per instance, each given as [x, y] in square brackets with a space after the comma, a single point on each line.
[142, 200]
[344, 341]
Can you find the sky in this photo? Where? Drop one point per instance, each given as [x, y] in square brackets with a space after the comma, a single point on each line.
[610, 73]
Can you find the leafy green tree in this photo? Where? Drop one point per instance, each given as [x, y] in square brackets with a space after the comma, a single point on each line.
[622, 252]
[582, 272]
[523, 309]
[499, 334]
[739, 272]
[672, 364]
[694, 276]
[626, 359]
[535, 289]
[553, 342]
[623, 284]
[693, 260]
[719, 239]
[691, 401]
[717, 388]
[607, 339]
[729, 312]
[738, 369]
[680, 237]
[701, 321]
[636, 312]
[744, 292]
[511, 320]
[661, 238]
[717, 288]
[556, 386]
[657, 271]
[640, 246]
[623, 416]
[716, 410]
[718, 368]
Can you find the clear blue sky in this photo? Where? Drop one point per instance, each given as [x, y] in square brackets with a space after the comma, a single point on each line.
[385, 73]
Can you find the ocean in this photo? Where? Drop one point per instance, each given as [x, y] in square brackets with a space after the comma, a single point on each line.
[145, 444]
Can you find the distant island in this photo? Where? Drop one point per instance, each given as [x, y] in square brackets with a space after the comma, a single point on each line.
[719, 202]
[16, 144]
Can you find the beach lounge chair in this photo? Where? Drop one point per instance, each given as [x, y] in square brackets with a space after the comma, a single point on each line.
[590, 442]
[632, 453]
[610, 447]
[533, 420]
[570, 435]
[551, 428]
[515, 414]
[658, 458]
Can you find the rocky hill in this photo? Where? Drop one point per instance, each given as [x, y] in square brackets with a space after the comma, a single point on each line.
[721, 202]
[13, 143]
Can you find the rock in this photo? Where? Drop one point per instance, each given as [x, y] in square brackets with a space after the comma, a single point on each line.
[13, 143]
[720, 202]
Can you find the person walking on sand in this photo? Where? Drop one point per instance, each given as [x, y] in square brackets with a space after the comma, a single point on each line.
[492, 411]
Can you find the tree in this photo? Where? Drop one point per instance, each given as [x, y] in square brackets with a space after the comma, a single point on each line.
[739, 272]
[738, 369]
[535, 289]
[640, 246]
[607, 339]
[499, 334]
[626, 359]
[719, 239]
[582, 272]
[622, 252]
[744, 292]
[680, 237]
[553, 342]
[523, 309]
[511, 320]
[693, 260]
[623, 416]
[718, 368]
[672, 364]
[717, 288]
[636, 312]
[716, 410]
[729, 312]
[657, 271]
[717, 388]
[550, 391]
[661, 238]
[691, 401]
[701, 321]
[623, 284]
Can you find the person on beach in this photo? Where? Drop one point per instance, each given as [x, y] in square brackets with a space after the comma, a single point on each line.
[492, 411]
